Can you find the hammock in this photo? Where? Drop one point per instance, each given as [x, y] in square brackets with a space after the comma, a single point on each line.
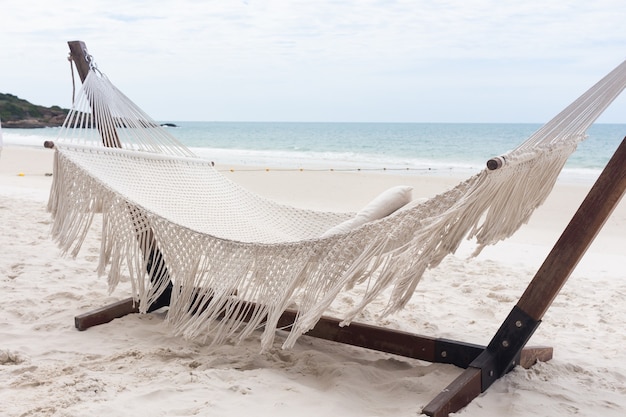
[221, 243]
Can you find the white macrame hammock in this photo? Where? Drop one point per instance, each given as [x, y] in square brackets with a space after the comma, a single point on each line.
[222, 243]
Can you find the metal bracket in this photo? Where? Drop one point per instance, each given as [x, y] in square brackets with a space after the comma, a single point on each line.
[503, 352]
[456, 353]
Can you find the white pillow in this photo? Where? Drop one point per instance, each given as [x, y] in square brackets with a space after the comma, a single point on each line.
[386, 203]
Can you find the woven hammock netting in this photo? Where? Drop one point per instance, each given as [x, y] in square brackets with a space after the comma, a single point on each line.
[171, 220]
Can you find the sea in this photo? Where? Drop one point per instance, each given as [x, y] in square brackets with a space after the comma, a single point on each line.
[457, 149]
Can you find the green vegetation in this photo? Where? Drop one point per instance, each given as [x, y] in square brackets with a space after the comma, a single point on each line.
[18, 113]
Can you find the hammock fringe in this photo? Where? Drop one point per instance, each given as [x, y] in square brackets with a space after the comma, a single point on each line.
[222, 244]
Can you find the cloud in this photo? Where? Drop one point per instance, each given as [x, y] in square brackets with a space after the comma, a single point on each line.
[321, 60]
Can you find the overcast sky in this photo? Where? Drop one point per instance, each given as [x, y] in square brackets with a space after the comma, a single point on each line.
[322, 60]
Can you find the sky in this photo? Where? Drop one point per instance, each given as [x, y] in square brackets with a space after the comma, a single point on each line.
[322, 60]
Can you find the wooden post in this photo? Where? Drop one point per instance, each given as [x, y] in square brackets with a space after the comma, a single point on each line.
[156, 267]
[80, 57]
[83, 61]
[498, 357]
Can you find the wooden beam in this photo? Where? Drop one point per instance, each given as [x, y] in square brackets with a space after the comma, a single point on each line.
[456, 395]
[499, 356]
[106, 314]
[602, 199]
[362, 335]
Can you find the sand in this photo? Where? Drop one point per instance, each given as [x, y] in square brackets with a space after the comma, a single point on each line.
[133, 366]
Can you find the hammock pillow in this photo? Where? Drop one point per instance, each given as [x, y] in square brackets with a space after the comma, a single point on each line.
[382, 206]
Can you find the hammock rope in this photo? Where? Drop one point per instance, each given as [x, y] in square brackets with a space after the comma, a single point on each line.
[222, 243]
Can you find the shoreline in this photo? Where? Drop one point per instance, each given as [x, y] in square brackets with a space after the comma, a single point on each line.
[584, 171]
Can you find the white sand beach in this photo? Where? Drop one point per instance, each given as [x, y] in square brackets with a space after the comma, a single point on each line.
[133, 366]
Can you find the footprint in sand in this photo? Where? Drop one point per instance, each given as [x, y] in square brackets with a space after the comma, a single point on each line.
[16, 270]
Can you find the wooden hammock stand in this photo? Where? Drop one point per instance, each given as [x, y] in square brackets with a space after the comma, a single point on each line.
[483, 364]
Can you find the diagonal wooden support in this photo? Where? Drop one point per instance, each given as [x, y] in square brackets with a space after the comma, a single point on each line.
[499, 356]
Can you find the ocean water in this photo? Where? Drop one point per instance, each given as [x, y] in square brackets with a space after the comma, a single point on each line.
[411, 148]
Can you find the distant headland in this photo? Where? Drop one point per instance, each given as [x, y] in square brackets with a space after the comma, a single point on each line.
[18, 113]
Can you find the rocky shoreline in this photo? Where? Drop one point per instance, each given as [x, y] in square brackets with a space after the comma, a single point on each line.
[16, 113]
[33, 123]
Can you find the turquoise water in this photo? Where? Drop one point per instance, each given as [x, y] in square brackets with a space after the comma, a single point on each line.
[370, 145]
[412, 147]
